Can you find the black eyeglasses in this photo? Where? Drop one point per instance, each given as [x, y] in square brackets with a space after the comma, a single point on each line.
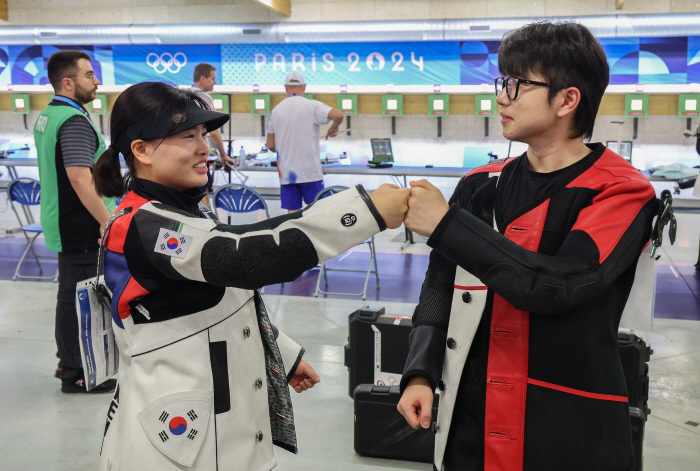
[512, 85]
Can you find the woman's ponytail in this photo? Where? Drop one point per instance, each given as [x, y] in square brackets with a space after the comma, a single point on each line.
[107, 175]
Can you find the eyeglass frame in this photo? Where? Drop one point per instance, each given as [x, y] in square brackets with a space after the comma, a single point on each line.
[92, 79]
[518, 81]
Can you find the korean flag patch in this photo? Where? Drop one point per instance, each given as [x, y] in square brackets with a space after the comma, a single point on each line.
[176, 424]
[172, 243]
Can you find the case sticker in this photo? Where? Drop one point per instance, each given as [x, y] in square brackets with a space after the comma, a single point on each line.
[382, 378]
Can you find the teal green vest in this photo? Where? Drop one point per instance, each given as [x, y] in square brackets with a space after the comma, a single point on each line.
[45, 138]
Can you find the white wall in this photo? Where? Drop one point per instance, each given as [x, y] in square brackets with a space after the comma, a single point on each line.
[66, 12]
[659, 141]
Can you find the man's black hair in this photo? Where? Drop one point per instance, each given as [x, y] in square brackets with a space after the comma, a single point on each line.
[64, 64]
[565, 55]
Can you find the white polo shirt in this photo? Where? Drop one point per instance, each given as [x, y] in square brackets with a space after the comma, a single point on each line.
[296, 122]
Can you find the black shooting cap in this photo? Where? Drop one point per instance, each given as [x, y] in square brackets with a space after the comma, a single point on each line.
[155, 125]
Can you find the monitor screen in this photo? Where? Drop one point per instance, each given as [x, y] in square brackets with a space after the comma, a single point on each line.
[381, 150]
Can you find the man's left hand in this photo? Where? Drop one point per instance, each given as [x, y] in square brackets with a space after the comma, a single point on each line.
[304, 377]
[332, 132]
[228, 160]
[426, 208]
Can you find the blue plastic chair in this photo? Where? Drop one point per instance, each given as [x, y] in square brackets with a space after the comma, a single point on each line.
[326, 192]
[26, 192]
[236, 198]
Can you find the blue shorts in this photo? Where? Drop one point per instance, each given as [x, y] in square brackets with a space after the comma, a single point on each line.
[291, 194]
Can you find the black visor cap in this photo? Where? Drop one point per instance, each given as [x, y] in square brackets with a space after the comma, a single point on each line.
[154, 126]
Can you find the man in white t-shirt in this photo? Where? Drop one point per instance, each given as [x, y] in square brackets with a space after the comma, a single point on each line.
[292, 132]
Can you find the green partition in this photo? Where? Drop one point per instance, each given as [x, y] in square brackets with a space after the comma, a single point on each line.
[439, 105]
[220, 103]
[21, 103]
[688, 105]
[347, 103]
[98, 105]
[486, 105]
[260, 104]
[392, 105]
[637, 105]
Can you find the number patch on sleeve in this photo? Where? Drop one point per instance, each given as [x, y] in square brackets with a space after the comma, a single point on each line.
[348, 220]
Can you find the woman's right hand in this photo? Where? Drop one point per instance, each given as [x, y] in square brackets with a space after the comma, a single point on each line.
[392, 203]
[416, 404]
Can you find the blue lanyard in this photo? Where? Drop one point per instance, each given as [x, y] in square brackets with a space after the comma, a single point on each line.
[72, 103]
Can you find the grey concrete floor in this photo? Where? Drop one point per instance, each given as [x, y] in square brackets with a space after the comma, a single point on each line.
[43, 429]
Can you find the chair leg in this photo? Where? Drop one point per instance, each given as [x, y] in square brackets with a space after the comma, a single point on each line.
[318, 280]
[24, 255]
[376, 268]
[28, 239]
[325, 273]
[369, 270]
[36, 257]
[54, 278]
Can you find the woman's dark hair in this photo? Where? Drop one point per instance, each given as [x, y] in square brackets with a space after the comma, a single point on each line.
[565, 55]
[158, 99]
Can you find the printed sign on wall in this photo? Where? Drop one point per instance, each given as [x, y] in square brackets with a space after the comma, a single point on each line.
[173, 63]
[674, 60]
[423, 63]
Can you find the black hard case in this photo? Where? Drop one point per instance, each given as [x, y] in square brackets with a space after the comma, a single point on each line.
[637, 421]
[381, 432]
[359, 351]
[635, 355]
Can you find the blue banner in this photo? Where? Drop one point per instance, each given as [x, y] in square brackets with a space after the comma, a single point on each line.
[422, 63]
[133, 64]
[26, 65]
[674, 60]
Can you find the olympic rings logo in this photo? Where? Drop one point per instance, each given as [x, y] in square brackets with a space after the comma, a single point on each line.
[166, 62]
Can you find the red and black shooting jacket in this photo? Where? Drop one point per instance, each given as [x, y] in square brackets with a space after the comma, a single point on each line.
[537, 383]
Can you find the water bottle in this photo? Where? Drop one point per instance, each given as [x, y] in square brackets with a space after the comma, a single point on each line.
[241, 156]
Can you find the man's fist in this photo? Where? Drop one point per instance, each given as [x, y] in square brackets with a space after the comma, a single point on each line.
[392, 203]
[426, 208]
[416, 404]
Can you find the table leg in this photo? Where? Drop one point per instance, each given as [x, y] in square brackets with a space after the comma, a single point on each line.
[409, 234]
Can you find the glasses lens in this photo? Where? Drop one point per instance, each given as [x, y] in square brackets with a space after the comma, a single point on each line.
[499, 85]
[511, 87]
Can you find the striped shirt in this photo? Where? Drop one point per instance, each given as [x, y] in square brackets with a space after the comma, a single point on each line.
[78, 142]
[204, 95]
